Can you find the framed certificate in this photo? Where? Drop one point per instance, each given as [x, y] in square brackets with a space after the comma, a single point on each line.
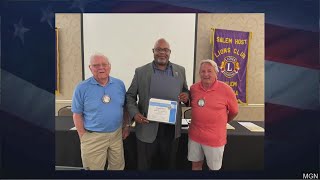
[163, 111]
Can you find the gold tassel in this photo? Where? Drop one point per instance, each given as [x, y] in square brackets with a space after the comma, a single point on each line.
[211, 42]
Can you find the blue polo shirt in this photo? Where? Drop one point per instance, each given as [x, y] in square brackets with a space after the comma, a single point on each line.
[99, 116]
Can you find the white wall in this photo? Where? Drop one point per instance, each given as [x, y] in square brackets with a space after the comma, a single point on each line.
[127, 40]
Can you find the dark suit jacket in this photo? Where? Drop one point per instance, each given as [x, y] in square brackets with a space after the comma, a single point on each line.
[140, 87]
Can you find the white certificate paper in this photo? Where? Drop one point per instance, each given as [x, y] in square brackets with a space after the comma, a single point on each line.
[229, 126]
[163, 111]
[252, 127]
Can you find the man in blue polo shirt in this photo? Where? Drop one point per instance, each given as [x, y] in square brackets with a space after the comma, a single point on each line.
[100, 118]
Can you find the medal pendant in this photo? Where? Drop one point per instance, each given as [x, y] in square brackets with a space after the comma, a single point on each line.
[201, 102]
[106, 99]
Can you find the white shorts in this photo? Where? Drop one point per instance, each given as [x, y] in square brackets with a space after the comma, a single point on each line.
[214, 155]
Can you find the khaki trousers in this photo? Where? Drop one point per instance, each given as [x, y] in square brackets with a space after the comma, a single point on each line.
[97, 148]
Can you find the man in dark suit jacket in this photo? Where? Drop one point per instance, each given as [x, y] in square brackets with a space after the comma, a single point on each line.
[153, 137]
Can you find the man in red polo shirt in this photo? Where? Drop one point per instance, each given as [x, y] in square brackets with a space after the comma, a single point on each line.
[213, 104]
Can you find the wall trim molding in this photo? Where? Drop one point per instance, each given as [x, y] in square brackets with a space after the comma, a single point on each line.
[63, 101]
[252, 105]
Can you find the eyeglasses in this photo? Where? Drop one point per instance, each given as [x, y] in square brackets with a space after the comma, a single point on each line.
[99, 65]
[159, 50]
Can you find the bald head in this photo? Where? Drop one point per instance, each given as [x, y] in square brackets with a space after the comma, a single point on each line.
[163, 42]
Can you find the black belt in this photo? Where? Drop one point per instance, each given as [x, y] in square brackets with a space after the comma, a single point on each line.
[89, 131]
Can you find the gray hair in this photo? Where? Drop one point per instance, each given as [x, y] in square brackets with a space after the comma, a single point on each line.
[99, 55]
[214, 64]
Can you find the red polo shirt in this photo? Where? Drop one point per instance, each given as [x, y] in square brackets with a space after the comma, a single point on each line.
[208, 124]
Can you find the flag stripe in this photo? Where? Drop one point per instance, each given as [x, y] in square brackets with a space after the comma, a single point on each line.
[276, 113]
[290, 85]
[26, 101]
[292, 46]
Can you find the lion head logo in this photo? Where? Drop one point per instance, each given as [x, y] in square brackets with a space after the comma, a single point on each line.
[230, 66]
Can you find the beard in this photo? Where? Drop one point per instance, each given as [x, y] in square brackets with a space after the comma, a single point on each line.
[161, 61]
